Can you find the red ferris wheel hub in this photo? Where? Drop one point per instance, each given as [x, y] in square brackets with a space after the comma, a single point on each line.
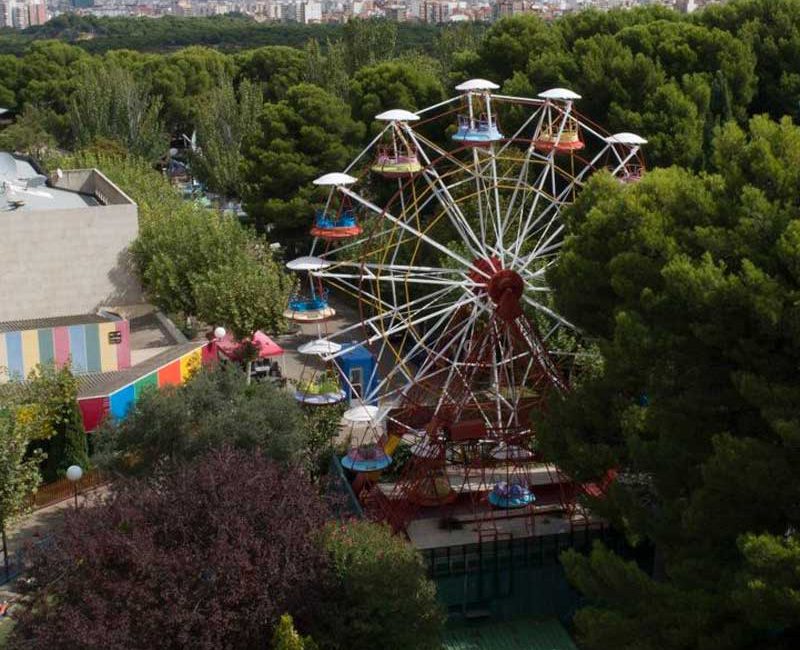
[505, 284]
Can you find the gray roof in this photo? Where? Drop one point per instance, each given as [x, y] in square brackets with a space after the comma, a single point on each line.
[57, 321]
[23, 188]
[105, 383]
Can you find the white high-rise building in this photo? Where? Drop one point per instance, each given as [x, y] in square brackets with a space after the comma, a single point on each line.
[6, 13]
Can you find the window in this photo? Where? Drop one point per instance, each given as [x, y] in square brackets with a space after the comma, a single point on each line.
[357, 382]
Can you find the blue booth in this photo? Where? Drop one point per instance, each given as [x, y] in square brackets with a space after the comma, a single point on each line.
[359, 370]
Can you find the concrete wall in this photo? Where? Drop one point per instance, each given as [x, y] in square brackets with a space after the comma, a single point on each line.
[66, 262]
[91, 181]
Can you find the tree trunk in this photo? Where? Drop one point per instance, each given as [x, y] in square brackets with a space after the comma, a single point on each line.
[249, 370]
[6, 561]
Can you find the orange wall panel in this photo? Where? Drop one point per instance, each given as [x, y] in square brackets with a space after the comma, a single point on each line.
[170, 375]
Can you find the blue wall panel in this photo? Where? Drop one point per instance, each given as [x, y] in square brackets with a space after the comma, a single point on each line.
[16, 367]
[121, 401]
[77, 347]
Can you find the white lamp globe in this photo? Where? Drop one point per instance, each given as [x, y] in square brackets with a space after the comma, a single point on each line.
[74, 473]
[219, 333]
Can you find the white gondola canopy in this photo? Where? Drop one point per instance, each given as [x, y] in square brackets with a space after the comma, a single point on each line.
[307, 263]
[477, 84]
[360, 414]
[562, 94]
[626, 138]
[319, 346]
[397, 115]
[335, 178]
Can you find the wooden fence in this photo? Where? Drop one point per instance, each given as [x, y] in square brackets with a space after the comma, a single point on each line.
[63, 489]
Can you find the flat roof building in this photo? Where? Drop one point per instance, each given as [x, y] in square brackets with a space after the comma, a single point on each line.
[64, 242]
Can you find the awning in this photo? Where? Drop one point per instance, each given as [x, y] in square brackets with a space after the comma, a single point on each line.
[232, 348]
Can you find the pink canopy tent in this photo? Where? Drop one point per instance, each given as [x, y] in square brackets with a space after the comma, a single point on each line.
[232, 348]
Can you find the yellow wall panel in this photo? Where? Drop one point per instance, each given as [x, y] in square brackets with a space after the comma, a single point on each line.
[108, 352]
[30, 349]
[190, 363]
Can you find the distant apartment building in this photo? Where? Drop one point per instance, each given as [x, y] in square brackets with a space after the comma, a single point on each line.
[309, 11]
[398, 13]
[20, 14]
[505, 8]
[436, 11]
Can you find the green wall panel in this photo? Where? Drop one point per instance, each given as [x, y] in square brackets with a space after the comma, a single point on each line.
[144, 382]
[46, 348]
[93, 363]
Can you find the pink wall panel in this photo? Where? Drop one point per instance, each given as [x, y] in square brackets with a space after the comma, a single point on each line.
[61, 345]
[209, 353]
[124, 348]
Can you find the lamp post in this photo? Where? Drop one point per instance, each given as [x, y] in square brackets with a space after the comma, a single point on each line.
[75, 474]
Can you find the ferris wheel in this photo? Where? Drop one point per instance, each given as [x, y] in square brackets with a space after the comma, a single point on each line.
[441, 233]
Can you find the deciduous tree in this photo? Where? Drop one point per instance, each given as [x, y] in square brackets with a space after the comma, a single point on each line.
[228, 117]
[381, 592]
[209, 555]
[245, 295]
[20, 426]
[213, 409]
[109, 102]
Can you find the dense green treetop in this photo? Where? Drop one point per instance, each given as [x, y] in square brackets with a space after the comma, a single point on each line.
[690, 285]
[670, 77]
[373, 568]
[274, 68]
[772, 29]
[109, 103]
[230, 32]
[228, 117]
[303, 136]
[213, 410]
[385, 86]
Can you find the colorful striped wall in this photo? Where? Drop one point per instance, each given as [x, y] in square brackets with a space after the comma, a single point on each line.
[87, 346]
[118, 403]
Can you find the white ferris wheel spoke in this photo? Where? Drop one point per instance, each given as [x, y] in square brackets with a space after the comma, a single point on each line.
[549, 312]
[417, 347]
[422, 302]
[440, 190]
[414, 231]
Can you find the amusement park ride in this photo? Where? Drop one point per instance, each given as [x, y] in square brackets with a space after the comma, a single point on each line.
[448, 270]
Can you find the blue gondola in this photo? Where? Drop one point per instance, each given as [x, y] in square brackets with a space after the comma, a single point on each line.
[335, 226]
[313, 303]
[368, 458]
[477, 132]
[514, 495]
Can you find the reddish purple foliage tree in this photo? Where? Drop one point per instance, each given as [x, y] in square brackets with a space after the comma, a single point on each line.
[208, 556]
